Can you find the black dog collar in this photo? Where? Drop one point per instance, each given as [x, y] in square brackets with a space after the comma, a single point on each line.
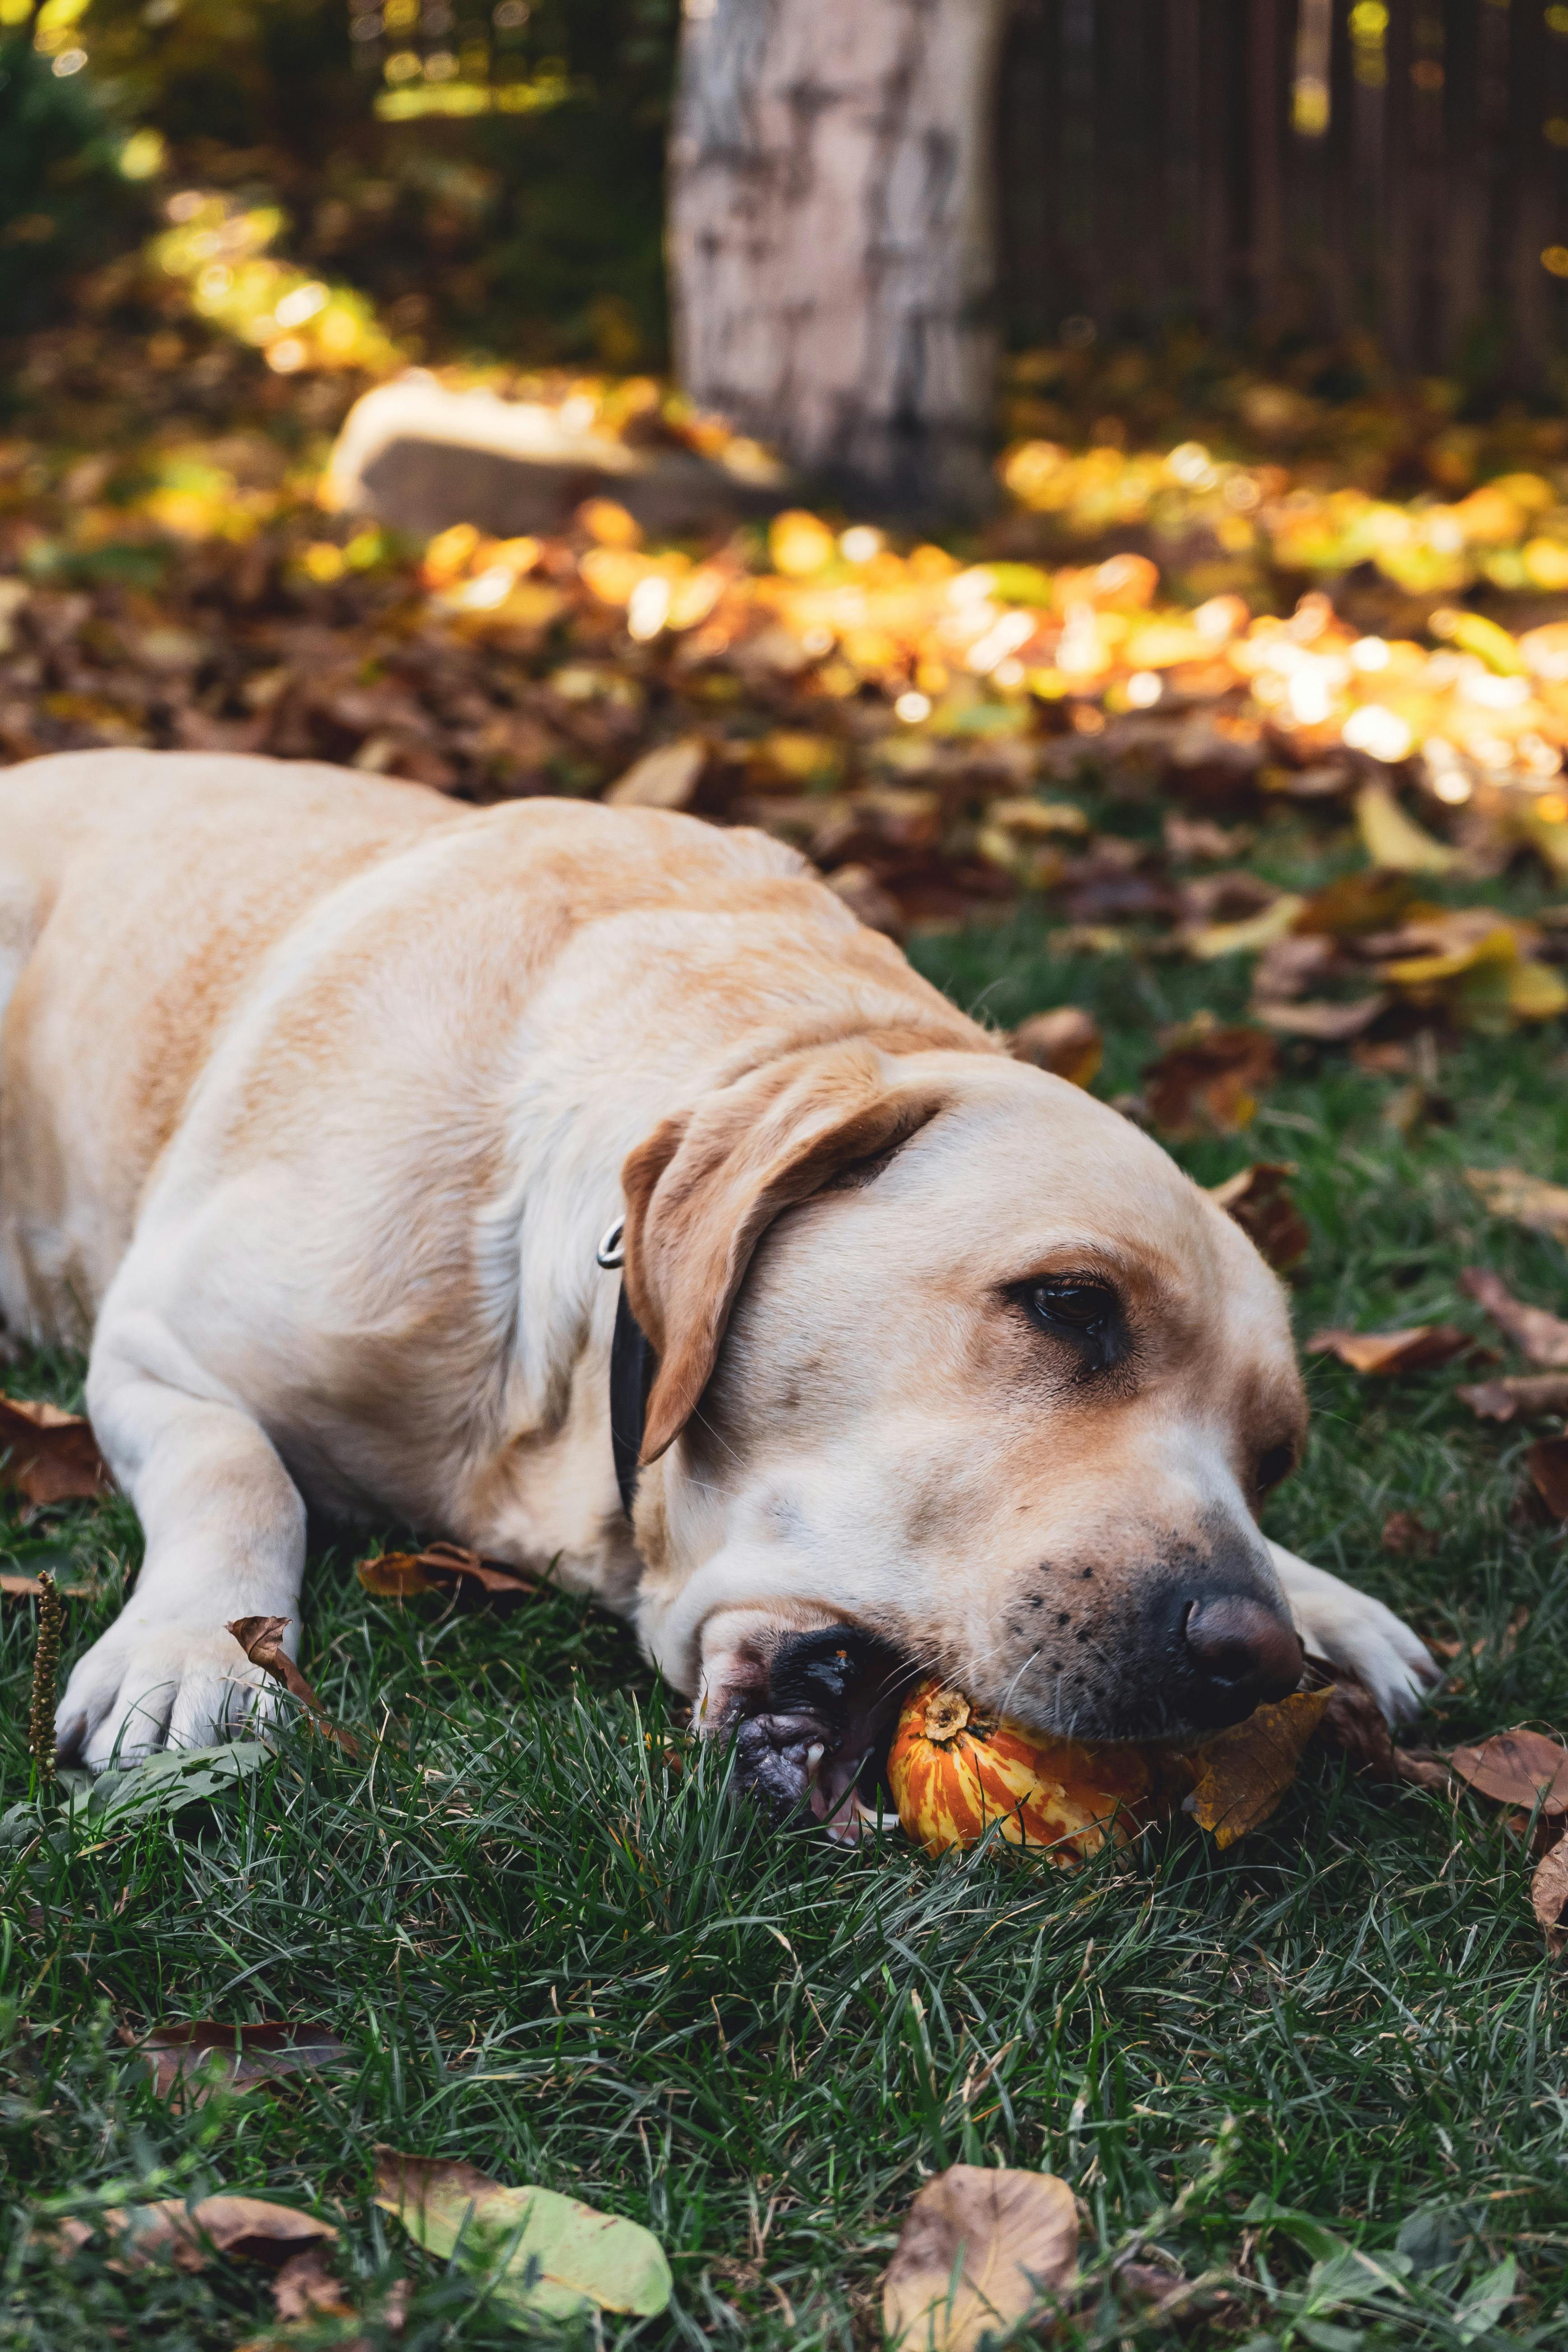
[632, 1367]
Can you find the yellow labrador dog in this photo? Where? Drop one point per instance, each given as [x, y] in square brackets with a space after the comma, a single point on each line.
[331, 1112]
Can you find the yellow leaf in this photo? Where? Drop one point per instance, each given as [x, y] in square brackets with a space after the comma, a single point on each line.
[1246, 937]
[1536, 991]
[1395, 841]
[1244, 1772]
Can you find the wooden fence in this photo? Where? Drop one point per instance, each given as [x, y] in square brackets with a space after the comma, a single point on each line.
[1277, 168]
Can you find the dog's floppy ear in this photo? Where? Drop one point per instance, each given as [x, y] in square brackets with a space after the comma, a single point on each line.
[704, 1188]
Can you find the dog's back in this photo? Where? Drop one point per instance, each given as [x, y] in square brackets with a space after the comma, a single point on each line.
[354, 942]
[157, 879]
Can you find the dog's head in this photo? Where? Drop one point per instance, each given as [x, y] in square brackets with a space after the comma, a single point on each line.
[956, 1370]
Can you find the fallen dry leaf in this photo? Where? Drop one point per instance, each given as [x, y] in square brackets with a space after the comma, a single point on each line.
[1424, 1767]
[1529, 1394]
[262, 1639]
[1505, 1648]
[1525, 1200]
[1385, 1353]
[1391, 1058]
[1355, 905]
[1543, 1338]
[1195, 839]
[981, 2248]
[557, 2255]
[444, 1568]
[1520, 1767]
[1395, 841]
[1067, 1041]
[1549, 1895]
[48, 1455]
[251, 2227]
[1244, 1772]
[233, 2057]
[1413, 1106]
[1547, 1465]
[1406, 1531]
[1258, 1198]
[307, 2285]
[866, 900]
[666, 778]
[1148, 2288]
[1352, 1727]
[1321, 1018]
[1209, 1078]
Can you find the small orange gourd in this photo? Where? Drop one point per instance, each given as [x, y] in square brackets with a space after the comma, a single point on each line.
[954, 1770]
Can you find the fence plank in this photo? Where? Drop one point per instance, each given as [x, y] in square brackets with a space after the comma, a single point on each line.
[1157, 165]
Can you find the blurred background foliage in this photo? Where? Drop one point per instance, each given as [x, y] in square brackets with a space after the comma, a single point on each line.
[510, 202]
[488, 175]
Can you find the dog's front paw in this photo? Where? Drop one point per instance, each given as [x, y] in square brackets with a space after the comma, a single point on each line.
[1352, 1630]
[776, 1761]
[142, 1687]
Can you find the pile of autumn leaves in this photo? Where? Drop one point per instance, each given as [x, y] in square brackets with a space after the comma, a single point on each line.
[919, 724]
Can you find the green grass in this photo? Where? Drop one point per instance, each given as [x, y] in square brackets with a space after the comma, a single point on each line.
[551, 1956]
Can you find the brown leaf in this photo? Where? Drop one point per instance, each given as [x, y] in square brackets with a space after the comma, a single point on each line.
[49, 1456]
[1260, 1199]
[1244, 1772]
[1352, 1727]
[307, 2284]
[1390, 1059]
[1532, 1394]
[1193, 839]
[866, 899]
[1387, 1353]
[1290, 967]
[249, 2227]
[1142, 2284]
[1406, 1531]
[445, 1567]
[1209, 1077]
[1541, 1336]
[1356, 903]
[1527, 1199]
[1547, 1463]
[1067, 1041]
[1010, 2236]
[262, 1639]
[1516, 1767]
[1476, 1649]
[1549, 1895]
[1319, 1017]
[235, 2057]
[1424, 1767]
[665, 778]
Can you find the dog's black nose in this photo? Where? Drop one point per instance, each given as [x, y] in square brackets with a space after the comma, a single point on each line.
[1243, 1650]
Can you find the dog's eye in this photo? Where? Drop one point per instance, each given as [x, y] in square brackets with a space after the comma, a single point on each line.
[1276, 1463]
[1088, 1307]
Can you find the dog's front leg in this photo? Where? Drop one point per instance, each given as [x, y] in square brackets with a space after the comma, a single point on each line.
[225, 1526]
[1350, 1628]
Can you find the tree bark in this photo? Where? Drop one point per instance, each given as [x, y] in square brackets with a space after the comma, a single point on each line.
[831, 235]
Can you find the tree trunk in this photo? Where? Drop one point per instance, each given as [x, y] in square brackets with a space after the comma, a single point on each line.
[831, 236]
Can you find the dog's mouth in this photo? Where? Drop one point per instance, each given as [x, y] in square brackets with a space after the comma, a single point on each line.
[813, 1743]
